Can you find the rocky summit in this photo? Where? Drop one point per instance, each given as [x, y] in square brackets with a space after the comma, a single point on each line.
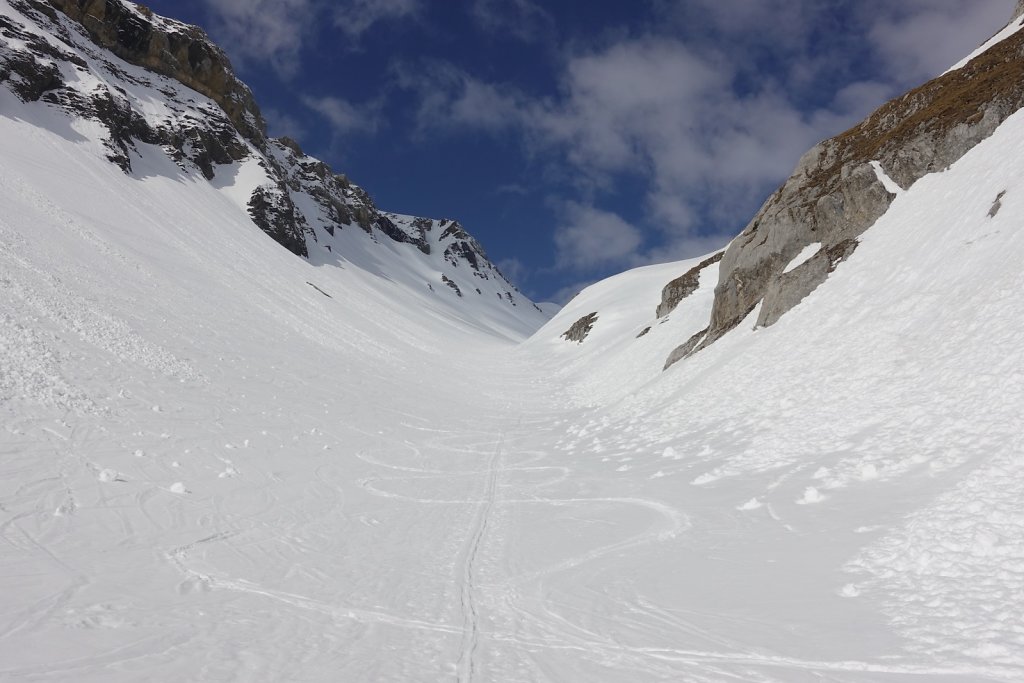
[151, 82]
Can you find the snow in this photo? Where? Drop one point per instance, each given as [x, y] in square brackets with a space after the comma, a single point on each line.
[211, 471]
[890, 185]
[805, 255]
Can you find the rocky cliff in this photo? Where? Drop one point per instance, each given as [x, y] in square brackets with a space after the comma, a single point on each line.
[843, 185]
[169, 48]
[152, 82]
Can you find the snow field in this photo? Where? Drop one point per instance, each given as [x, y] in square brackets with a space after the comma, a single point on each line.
[211, 471]
[880, 421]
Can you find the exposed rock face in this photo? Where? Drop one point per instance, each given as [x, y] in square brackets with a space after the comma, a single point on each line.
[579, 330]
[684, 285]
[461, 245]
[272, 209]
[1019, 11]
[835, 195]
[184, 53]
[454, 287]
[32, 72]
[155, 84]
[789, 289]
[35, 74]
[684, 350]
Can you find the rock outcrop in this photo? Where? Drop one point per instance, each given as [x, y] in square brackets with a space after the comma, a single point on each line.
[152, 82]
[835, 194]
[579, 330]
[169, 48]
[684, 285]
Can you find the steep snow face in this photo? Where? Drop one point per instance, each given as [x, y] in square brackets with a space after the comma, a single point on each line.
[49, 61]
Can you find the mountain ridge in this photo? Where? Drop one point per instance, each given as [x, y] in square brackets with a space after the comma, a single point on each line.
[222, 461]
[843, 185]
[297, 200]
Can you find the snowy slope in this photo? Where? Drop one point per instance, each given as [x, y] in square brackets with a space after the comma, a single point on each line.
[131, 115]
[220, 461]
[856, 468]
[618, 357]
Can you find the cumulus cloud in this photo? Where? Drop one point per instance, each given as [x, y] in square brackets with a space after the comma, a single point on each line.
[450, 98]
[589, 237]
[521, 19]
[648, 107]
[277, 31]
[264, 30]
[343, 116]
[513, 269]
[281, 123]
[920, 39]
[695, 117]
[356, 17]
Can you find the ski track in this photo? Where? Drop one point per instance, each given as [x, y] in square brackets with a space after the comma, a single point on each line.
[209, 471]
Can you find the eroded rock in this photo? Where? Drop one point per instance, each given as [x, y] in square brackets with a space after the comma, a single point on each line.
[169, 48]
[579, 330]
[835, 195]
[684, 285]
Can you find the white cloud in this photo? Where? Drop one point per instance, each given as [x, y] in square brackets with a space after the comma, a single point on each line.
[589, 237]
[513, 269]
[650, 107]
[281, 123]
[277, 31]
[356, 17]
[521, 19]
[449, 98]
[343, 116]
[695, 120]
[273, 31]
[920, 39]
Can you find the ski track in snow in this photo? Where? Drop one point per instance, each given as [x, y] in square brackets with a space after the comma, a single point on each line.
[210, 471]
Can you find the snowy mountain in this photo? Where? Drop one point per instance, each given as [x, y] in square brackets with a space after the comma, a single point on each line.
[154, 87]
[223, 459]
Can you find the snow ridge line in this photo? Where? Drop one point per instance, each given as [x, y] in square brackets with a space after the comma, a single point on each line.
[466, 667]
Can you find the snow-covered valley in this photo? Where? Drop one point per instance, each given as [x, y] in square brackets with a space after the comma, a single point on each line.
[220, 461]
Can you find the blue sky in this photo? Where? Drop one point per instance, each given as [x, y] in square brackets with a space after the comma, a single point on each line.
[578, 139]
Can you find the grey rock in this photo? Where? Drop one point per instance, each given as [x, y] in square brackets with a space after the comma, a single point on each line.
[834, 195]
[454, 287]
[186, 55]
[684, 350]
[787, 290]
[271, 208]
[579, 330]
[683, 286]
[997, 205]
[110, 37]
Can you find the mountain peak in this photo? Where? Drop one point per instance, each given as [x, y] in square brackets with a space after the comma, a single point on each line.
[159, 94]
[170, 48]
